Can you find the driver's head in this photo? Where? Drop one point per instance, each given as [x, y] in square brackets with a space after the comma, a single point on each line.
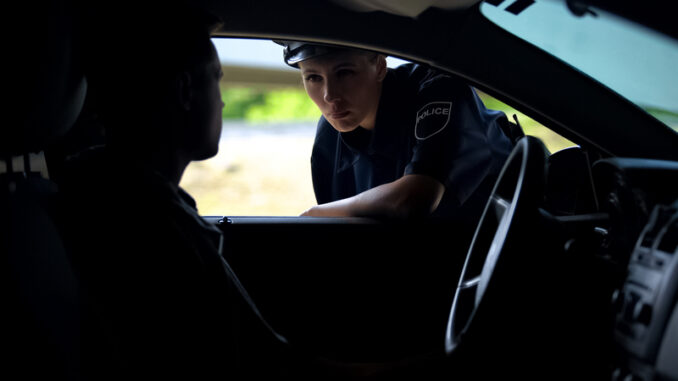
[156, 81]
[345, 84]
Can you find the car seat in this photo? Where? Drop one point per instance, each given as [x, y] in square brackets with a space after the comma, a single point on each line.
[42, 309]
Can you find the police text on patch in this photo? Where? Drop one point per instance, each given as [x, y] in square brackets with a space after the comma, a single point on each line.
[433, 111]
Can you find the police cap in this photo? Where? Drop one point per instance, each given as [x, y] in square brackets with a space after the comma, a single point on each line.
[297, 51]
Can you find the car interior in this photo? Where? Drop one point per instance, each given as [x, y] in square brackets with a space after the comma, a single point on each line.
[572, 270]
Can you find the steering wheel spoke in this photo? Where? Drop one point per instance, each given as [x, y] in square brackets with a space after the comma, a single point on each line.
[500, 206]
[471, 283]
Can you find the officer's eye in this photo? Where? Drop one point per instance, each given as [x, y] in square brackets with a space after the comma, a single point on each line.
[344, 72]
[313, 78]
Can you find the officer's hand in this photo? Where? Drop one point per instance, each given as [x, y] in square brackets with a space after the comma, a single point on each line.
[307, 213]
[316, 211]
[340, 208]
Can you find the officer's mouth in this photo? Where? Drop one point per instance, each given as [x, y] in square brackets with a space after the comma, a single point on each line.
[338, 115]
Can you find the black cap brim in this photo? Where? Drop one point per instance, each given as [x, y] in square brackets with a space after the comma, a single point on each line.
[298, 51]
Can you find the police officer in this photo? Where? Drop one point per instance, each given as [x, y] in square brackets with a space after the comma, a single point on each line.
[405, 142]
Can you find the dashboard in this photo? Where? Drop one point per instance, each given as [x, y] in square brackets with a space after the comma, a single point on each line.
[641, 199]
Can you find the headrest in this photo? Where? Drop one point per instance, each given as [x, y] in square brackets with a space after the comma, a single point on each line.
[47, 86]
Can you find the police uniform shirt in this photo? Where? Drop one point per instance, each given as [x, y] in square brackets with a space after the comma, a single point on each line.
[427, 123]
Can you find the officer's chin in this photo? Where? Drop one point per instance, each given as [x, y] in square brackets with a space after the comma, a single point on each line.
[343, 126]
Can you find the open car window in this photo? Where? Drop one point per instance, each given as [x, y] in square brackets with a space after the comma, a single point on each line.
[263, 165]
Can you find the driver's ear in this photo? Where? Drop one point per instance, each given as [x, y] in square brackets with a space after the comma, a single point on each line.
[184, 90]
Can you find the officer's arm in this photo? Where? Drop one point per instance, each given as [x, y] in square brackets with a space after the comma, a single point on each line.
[409, 196]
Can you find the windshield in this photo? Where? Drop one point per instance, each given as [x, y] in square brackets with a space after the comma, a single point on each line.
[634, 61]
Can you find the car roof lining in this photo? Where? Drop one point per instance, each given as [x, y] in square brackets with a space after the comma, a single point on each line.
[403, 7]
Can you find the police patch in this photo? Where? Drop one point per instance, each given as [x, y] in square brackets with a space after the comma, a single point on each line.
[431, 119]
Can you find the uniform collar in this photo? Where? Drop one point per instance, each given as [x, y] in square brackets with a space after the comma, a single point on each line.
[157, 186]
[186, 208]
[382, 140]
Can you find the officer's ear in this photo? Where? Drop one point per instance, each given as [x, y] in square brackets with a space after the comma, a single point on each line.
[381, 67]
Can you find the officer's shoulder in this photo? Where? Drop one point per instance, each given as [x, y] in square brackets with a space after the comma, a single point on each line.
[424, 76]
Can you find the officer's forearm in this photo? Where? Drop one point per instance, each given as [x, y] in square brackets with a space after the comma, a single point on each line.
[409, 196]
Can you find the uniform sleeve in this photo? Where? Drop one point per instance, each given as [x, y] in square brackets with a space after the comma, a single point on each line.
[451, 137]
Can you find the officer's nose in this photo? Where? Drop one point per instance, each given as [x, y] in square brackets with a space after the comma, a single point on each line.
[330, 92]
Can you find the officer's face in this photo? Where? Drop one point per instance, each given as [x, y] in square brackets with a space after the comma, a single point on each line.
[346, 87]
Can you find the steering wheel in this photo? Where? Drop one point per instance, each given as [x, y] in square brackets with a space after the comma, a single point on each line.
[515, 196]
